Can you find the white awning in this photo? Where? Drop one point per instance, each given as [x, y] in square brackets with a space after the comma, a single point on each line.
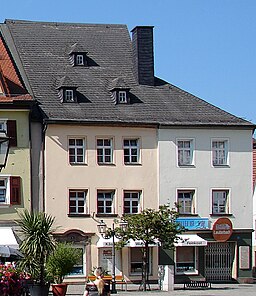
[8, 242]
[7, 238]
[190, 240]
[138, 243]
[106, 242]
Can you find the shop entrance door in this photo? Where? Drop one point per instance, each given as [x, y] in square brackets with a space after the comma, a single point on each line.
[219, 259]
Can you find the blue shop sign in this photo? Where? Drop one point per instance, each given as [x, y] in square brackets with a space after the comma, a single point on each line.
[194, 223]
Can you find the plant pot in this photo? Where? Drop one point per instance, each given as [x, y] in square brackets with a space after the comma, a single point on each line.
[59, 289]
[39, 289]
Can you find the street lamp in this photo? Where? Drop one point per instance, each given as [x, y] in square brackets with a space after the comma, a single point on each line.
[111, 232]
[4, 148]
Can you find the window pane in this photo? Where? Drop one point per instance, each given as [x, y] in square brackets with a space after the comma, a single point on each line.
[185, 259]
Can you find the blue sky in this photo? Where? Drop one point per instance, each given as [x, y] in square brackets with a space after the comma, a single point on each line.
[207, 47]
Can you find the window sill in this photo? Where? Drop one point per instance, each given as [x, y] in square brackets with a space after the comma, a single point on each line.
[132, 163]
[221, 215]
[4, 206]
[77, 164]
[106, 164]
[221, 166]
[106, 215]
[79, 215]
[186, 166]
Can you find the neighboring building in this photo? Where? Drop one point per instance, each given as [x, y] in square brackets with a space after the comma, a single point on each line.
[15, 179]
[208, 173]
[254, 208]
[109, 135]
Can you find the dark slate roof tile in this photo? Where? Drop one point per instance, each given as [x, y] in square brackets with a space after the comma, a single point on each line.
[43, 50]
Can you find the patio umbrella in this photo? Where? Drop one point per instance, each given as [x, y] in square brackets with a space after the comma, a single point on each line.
[6, 251]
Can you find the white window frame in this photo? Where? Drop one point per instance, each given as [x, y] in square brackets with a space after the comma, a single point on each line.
[183, 150]
[130, 149]
[3, 125]
[105, 199]
[130, 199]
[193, 201]
[79, 60]
[76, 147]
[7, 187]
[122, 96]
[227, 204]
[195, 262]
[77, 199]
[218, 161]
[69, 95]
[104, 148]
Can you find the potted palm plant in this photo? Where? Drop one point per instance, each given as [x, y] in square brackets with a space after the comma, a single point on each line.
[59, 264]
[36, 246]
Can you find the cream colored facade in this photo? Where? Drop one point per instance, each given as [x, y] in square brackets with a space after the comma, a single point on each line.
[18, 164]
[61, 176]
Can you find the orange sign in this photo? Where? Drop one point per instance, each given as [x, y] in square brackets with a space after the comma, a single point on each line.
[222, 229]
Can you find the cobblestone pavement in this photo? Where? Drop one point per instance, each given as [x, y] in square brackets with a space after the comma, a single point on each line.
[217, 289]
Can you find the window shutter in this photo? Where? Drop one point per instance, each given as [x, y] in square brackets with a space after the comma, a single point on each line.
[12, 132]
[15, 190]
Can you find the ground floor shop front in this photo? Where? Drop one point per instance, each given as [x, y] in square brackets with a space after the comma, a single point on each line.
[197, 254]
[204, 258]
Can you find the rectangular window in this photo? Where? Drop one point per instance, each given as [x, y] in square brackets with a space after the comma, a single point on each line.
[79, 60]
[76, 151]
[131, 202]
[219, 152]
[186, 260]
[3, 126]
[105, 202]
[10, 190]
[77, 201]
[220, 202]
[137, 260]
[185, 152]
[186, 202]
[122, 98]
[131, 151]
[3, 190]
[68, 95]
[104, 151]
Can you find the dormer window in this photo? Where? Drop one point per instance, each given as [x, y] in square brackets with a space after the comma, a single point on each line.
[80, 59]
[69, 95]
[120, 90]
[122, 96]
[67, 90]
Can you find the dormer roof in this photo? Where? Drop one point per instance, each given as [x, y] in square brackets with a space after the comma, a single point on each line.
[77, 48]
[119, 83]
[65, 82]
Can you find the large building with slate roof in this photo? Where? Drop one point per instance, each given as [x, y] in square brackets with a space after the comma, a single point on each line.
[110, 138]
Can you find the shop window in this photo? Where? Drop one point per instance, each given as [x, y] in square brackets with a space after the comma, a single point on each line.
[136, 261]
[186, 260]
[79, 267]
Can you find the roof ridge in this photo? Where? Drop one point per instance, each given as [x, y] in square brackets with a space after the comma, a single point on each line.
[62, 23]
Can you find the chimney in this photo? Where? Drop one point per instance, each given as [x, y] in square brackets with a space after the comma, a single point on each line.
[143, 54]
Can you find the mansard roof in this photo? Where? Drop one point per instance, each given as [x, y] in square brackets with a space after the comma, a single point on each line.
[42, 50]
